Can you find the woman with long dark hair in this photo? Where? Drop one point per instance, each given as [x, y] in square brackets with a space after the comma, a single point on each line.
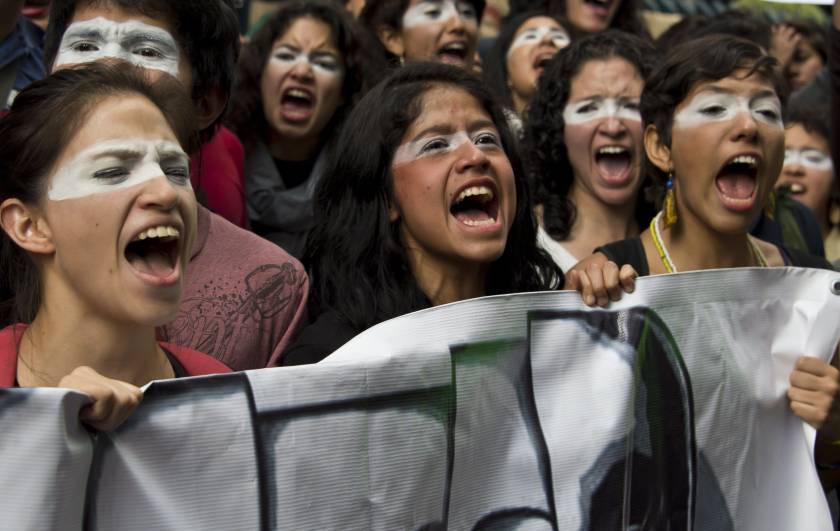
[296, 81]
[424, 203]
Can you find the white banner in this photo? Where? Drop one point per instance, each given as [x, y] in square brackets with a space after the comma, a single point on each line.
[529, 411]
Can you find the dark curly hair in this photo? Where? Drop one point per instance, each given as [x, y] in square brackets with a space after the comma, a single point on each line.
[356, 259]
[696, 61]
[627, 17]
[207, 31]
[495, 71]
[545, 150]
[362, 66]
[39, 125]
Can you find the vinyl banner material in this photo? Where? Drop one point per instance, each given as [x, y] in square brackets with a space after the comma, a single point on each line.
[667, 410]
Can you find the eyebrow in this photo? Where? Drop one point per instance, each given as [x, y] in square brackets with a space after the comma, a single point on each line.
[447, 129]
[83, 33]
[119, 153]
[136, 38]
[765, 93]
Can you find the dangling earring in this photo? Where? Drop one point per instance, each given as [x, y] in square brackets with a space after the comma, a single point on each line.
[770, 207]
[670, 206]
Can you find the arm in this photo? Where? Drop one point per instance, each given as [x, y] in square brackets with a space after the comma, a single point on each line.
[599, 280]
[9, 13]
[112, 401]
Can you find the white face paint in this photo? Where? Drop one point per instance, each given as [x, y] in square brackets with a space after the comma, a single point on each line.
[533, 36]
[135, 42]
[810, 158]
[438, 12]
[711, 107]
[598, 108]
[485, 139]
[322, 63]
[119, 164]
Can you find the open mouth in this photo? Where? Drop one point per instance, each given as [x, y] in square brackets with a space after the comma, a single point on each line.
[154, 254]
[614, 163]
[737, 182]
[599, 4]
[476, 206]
[796, 188]
[453, 52]
[297, 104]
[541, 62]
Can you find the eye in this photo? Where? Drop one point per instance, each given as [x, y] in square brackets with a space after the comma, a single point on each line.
[769, 113]
[147, 51]
[713, 110]
[631, 105]
[84, 47]
[285, 56]
[466, 10]
[326, 62]
[434, 146]
[178, 175]
[487, 139]
[589, 107]
[432, 12]
[112, 175]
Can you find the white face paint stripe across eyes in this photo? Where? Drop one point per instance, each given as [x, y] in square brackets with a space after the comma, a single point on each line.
[601, 109]
[119, 40]
[301, 57]
[533, 36]
[76, 178]
[711, 107]
[418, 15]
[411, 151]
[810, 158]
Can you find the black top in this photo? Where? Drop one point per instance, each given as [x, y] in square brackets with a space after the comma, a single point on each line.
[318, 340]
[294, 172]
[631, 251]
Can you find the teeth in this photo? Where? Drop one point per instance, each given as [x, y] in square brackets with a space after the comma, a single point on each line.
[477, 223]
[745, 159]
[161, 231]
[476, 190]
[612, 150]
[297, 93]
[796, 188]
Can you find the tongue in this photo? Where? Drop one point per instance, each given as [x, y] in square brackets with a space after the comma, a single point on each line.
[296, 110]
[154, 263]
[471, 214]
[736, 185]
[614, 167]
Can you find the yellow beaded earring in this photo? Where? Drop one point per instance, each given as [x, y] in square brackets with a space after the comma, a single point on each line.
[669, 206]
[770, 206]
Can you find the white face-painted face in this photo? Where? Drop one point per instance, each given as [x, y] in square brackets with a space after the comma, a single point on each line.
[592, 109]
[324, 64]
[486, 139]
[118, 164]
[810, 158]
[534, 36]
[712, 106]
[437, 12]
[141, 44]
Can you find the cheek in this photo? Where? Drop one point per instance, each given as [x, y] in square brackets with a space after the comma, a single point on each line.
[518, 71]
[420, 41]
[185, 72]
[270, 83]
[577, 139]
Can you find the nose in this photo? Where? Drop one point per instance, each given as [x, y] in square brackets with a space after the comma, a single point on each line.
[470, 157]
[159, 193]
[457, 24]
[613, 127]
[302, 71]
[793, 169]
[548, 40]
[746, 127]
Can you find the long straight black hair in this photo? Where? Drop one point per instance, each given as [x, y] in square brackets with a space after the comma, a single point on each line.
[356, 259]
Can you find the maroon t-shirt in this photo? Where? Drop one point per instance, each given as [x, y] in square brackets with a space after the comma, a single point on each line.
[218, 172]
[244, 297]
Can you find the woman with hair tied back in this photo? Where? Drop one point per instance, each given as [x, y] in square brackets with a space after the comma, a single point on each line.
[424, 203]
[714, 139]
[98, 218]
[296, 80]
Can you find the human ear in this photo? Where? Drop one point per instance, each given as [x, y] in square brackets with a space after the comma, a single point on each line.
[26, 227]
[657, 152]
[392, 39]
[393, 213]
[209, 107]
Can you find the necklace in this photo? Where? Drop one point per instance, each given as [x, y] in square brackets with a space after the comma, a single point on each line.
[659, 243]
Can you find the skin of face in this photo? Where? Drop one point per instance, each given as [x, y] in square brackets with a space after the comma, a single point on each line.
[523, 62]
[355, 7]
[90, 233]
[816, 182]
[87, 12]
[611, 78]
[312, 38]
[804, 65]
[425, 42]
[424, 189]
[589, 17]
[698, 154]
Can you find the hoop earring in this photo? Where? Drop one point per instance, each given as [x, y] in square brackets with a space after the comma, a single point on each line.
[670, 205]
[770, 207]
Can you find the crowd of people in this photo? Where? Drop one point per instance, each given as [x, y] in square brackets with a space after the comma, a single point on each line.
[177, 199]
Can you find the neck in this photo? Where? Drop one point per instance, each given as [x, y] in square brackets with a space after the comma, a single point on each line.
[695, 246]
[292, 149]
[519, 103]
[62, 338]
[597, 223]
[444, 282]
